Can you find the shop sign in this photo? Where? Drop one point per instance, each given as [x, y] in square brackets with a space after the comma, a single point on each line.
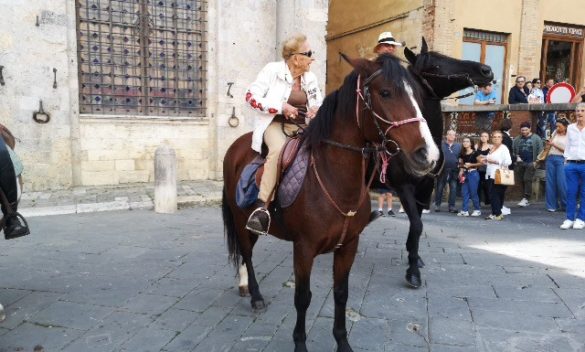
[563, 30]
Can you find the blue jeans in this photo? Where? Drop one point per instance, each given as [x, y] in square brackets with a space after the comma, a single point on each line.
[556, 185]
[449, 176]
[470, 190]
[575, 178]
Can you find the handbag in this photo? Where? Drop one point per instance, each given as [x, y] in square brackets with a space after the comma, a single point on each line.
[504, 177]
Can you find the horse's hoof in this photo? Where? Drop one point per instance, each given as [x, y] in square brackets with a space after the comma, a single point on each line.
[2, 314]
[258, 305]
[413, 281]
[420, 263]
[244, 291]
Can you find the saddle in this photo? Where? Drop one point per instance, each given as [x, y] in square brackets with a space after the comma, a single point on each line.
[292, 168]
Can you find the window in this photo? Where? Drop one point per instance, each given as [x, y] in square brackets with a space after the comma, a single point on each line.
[488, 48]
[561, 53]
[141, 57]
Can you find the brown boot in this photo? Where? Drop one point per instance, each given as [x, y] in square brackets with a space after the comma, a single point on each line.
[259, 220]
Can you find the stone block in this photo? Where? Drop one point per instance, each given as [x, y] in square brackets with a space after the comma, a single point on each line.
[125, 165]
[134, 176]
[99, 178]
[105, 165]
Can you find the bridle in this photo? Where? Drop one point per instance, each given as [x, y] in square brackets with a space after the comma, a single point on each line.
[448, 77]
[382, 150]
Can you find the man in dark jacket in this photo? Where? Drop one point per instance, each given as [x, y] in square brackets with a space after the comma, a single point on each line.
[519, 93]
[526, 148]
[451, 151]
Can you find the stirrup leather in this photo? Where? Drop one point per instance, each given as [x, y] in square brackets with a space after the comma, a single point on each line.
[265, 211]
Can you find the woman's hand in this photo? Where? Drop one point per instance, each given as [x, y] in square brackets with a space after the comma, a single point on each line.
[289, 111]
[312, 112]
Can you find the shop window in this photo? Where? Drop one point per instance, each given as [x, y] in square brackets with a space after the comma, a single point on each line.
[141, 57]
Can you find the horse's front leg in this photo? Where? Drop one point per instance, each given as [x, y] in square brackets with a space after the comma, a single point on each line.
[303, 262]
[407, 198]
[342, 262]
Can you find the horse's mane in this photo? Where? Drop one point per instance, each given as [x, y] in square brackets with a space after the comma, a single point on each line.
[342, 101]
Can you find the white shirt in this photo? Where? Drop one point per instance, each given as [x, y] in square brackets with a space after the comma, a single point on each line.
[575, 148]
[502, 156]
[270, 90]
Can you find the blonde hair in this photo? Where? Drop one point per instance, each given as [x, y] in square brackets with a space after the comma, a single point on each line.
[292, 45]
[580, 106]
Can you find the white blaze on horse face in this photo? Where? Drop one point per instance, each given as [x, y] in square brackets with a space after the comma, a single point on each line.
[433, 153]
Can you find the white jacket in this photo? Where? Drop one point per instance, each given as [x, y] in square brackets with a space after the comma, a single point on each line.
[270, 90]
[502, 156]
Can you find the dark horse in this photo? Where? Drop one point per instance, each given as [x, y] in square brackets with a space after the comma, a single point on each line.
[439, 76]
[375, 109]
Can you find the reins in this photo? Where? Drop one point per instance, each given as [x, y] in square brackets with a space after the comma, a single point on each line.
[382, 149]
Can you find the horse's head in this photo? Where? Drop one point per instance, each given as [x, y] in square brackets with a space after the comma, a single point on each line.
[446, 75]
[388, 112]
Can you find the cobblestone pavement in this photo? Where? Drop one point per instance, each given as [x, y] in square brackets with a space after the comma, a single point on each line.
[139, 281]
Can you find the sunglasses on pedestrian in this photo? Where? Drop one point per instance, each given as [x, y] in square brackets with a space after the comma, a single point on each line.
[306, 53]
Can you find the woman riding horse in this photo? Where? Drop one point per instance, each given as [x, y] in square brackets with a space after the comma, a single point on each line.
[282, 92]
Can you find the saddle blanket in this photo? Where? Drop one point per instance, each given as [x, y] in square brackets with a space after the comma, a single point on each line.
[289, 186]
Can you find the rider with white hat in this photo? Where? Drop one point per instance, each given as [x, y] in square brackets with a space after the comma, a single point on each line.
[386, 44]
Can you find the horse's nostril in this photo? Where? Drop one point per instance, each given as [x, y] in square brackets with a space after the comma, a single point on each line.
[486, 71]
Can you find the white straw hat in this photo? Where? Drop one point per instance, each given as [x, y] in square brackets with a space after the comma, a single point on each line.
[387, 38]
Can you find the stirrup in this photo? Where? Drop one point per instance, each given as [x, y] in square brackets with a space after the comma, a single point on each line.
[255, 231]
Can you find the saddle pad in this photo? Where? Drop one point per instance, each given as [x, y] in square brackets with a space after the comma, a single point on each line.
[293, 178]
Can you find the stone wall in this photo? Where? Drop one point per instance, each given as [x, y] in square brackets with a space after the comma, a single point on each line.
[29, 53]
[75, 150]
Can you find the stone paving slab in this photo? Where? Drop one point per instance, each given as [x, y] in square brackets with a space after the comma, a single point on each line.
[139, 281]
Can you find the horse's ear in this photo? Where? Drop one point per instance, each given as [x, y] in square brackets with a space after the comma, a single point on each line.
[410, 56]
[425, 47]
[357, 64]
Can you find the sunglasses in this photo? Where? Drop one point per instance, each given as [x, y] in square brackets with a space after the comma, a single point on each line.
[306, 53]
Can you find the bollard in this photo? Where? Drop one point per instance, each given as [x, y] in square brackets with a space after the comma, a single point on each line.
[165, 180]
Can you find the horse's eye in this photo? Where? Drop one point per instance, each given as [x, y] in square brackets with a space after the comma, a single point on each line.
[385, 93]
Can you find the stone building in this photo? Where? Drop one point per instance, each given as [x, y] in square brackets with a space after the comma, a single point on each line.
[533, 38]
[121, 77]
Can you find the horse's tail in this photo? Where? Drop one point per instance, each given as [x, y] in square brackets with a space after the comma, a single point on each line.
[230, 232]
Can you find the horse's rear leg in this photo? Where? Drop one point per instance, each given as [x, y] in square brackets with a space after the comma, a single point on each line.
[342, 262]
[243, 285]
[303, 262]
[257, 300]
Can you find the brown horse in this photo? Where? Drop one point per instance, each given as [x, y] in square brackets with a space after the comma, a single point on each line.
[375, 109]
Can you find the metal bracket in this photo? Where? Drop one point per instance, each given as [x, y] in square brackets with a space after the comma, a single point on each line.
[41, 116]
[230, 84]
[55, 78]
[2, 83]
[233, 121]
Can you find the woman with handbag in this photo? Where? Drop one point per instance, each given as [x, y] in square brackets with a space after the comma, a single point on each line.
[469, 178]
[556, 186]
[497, 174]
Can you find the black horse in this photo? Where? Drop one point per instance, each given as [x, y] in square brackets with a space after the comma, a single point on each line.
[440, 76]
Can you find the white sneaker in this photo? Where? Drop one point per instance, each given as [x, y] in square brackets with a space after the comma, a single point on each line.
[463, 213]
[506, 210]
[524, 202]
[426, 211]
[401, 210]
[579, 224]
[477, 213]
[567, 224]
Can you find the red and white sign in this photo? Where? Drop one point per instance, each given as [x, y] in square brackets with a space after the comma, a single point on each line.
[560, 93]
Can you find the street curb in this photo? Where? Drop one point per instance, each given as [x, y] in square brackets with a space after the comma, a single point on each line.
[117, 205]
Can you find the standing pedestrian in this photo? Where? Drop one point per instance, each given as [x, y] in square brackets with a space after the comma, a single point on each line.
[451, 151]
[551, 116]
[508, 142]
[469, 178]
[575, 170]
[556, 186]
[518, 94]
[485, 96]
[498, 157]
[526, 147]
[483, 148]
